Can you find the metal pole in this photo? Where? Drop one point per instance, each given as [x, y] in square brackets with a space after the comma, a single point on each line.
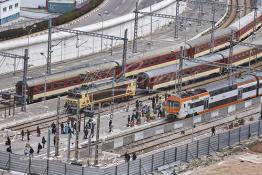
[9, 106]
[57, 128]
[48, 150]
[176, 20]
[179, 73]
[77, 132]
[124, 54]
[229, 60]
[23, 106]
[135, 30]
[113, 93]
[213, 30]
[97, 134]
[102, 32]
[14, 66]
[89, 149]
[68, 146]
[49, 47]
[255, 20]
[111, 49]
[14, 105]
[151, 23]
[45, 90]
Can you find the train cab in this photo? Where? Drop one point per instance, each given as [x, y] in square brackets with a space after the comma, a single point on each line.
[186, 104]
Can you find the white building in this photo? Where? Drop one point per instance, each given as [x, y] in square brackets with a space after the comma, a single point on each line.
[9, 10]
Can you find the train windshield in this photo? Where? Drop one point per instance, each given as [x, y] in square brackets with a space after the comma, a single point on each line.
[74, 96]
[173, 104]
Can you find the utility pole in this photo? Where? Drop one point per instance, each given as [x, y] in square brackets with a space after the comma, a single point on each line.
[77, 132]
[135, 30]
[97, 134]
[176, 20]
[213, 30]
[49, 47]
[255, 20]
[48, 150]
[124, 54]
[57, 128]
[229, 60]
[179, 72]
[68, 146]
[24, 96]
[151, 23]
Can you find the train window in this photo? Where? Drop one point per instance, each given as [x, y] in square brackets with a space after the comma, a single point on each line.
[42, 88]
[48, 86]
[75, 81]
[197, 104]
[61, 84]
[250, 88]
[173, 104]
[69, 82]
[222, 90]
[152, 61]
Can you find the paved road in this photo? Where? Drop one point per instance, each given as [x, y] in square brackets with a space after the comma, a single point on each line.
[114, 8]
[162, 38]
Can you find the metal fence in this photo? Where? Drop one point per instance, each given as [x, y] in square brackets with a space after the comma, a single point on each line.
[30, 165]
[141, 166]
[187, 152]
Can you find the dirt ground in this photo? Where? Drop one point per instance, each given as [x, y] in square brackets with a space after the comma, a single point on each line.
[248, 162]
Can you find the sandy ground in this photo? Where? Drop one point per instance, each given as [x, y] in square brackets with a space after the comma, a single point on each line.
[248, 162]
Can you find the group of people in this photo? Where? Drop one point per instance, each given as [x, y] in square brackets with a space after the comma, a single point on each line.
[89, 127]
[142, 110]
[128, 157]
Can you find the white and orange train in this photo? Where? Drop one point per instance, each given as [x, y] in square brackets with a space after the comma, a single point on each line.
[214, 96]
[60, 83]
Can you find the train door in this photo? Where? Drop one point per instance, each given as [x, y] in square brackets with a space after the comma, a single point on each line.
[206, 103]
[240, 92]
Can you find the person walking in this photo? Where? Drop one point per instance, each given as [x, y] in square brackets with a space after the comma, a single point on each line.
[8, 141]
[28, 135]
[85, 132]
[9, 149]
[213, 130]
[127, 157]
[38, 131]
[43, 141]
[31, 151]
[134, 156]
[110, 125]
[53, 128]
[128, 121]
[54, 140]
[22, 135]
[39, 147]
[62, 128]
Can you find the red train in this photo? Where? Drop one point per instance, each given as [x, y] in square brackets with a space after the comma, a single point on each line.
[60, 83]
